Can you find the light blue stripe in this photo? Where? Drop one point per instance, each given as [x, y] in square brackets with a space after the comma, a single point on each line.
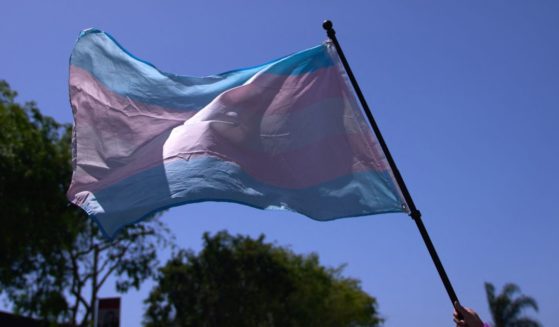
[121, 72]
[211, 179]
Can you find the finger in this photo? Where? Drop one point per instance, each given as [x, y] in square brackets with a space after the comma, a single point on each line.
[459, 307]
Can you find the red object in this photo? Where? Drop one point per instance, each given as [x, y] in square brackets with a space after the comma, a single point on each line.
[108, 312]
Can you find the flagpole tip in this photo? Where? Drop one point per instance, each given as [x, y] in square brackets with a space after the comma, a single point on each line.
[327, 25]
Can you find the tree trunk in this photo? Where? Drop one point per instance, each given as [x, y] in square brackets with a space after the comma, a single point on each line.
[94, 287]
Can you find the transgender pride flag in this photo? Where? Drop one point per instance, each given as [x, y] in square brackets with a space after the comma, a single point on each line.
[287, 134]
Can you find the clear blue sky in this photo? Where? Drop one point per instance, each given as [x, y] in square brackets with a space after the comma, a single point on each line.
[465, 92]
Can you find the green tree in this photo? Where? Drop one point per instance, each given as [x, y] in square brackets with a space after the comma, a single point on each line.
[507, 307]
[52, 255]
[34, 172]
[239, 281]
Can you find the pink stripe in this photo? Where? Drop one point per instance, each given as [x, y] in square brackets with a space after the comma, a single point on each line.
[114, 133]
[281, 93]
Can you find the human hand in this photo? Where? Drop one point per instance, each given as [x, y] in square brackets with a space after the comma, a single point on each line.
[469, 317]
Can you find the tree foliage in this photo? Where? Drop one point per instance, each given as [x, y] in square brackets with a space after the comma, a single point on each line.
[34, 172]
[507, 307]
[239, 281]
[52, 255]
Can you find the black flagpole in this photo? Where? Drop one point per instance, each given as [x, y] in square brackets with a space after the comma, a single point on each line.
[414, 213]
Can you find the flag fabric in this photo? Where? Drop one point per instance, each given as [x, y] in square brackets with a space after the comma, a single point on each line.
[288, 134]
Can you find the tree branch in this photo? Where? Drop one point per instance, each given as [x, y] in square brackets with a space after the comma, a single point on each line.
[117, 263]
